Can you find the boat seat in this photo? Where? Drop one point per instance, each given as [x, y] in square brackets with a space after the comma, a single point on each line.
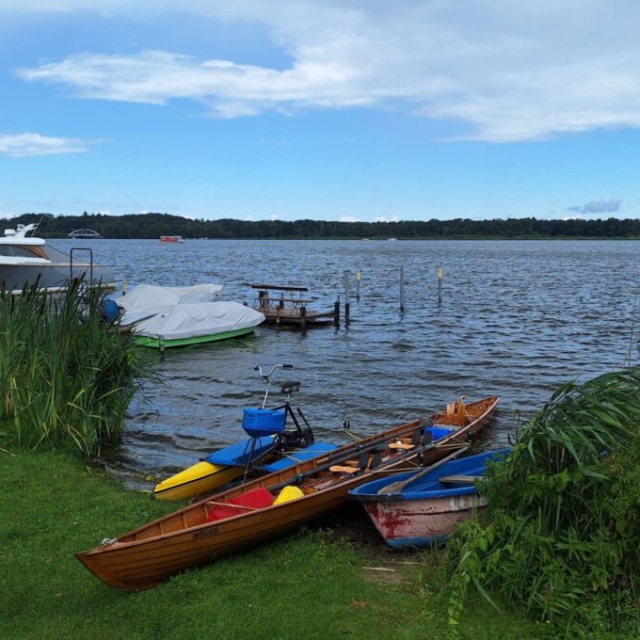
[459, 479]
[290, 387]
[342, 469]
[401, 445]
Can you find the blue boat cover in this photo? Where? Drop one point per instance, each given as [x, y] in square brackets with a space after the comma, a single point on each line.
[236, 455]
[299, 455]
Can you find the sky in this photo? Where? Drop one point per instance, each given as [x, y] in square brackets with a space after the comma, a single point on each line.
[368, 110]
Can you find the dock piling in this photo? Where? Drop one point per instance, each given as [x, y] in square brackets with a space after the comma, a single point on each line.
[346, 297]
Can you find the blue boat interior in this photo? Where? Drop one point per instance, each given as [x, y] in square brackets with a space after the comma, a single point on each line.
[429, 484]
[237, 455]
[299, 455]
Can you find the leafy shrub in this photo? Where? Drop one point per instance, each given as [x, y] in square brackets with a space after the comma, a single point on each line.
[560, 535]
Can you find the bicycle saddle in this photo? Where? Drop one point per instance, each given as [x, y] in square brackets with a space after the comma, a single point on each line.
[290, 387]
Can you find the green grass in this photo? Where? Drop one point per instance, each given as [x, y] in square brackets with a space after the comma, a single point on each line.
[311, 584]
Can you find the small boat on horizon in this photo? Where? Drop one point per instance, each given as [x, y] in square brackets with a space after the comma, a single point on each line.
[251, 513]
[171, 239]
[26, 260]
[417, 509]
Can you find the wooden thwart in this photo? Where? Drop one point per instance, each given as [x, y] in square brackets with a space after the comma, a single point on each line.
[213, 503]
[401, 445]
[340, 469]
[459, 479]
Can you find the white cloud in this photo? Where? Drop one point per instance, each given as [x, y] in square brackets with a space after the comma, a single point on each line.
[503, 71]
[348, 219]
[34, 144]
[598, 205]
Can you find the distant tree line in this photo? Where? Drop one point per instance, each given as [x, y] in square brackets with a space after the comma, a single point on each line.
[154, 225]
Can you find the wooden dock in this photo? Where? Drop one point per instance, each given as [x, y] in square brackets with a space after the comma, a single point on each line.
[286, 305]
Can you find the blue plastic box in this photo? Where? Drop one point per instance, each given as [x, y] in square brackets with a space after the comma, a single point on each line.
[438, 432]
[263, 422]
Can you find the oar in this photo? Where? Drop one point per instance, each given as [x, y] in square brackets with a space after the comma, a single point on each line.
[396, 487]
[353, 449]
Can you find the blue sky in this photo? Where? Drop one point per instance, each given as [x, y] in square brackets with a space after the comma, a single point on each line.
[323, 109]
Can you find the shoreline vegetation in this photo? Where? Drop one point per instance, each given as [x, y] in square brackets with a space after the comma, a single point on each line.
[554, 556]
[154, 225]
[66, 376]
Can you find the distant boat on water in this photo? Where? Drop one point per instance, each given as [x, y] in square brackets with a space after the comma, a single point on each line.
[85, 234]
[171, 239]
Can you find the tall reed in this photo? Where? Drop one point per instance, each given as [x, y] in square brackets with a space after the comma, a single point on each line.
[66, 377]
[562, 528]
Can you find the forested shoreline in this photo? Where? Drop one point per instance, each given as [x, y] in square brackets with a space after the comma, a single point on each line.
[153, 225]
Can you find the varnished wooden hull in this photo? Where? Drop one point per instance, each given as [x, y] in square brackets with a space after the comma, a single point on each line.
[144, 557]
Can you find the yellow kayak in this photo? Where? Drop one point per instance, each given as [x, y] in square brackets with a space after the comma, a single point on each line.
[220, 468]
[201, 477]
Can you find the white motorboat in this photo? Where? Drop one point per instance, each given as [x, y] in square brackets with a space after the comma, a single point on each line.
[26, 260]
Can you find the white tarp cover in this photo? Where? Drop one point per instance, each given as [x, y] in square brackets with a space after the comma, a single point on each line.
[145, 300]
[198, 319]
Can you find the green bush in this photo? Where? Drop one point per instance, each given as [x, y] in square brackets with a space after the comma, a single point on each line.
[66, 376]
[560, 535]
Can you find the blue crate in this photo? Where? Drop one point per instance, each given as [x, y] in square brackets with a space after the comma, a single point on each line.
[263, 422]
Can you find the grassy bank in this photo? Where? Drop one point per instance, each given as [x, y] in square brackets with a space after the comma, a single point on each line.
[310, 584]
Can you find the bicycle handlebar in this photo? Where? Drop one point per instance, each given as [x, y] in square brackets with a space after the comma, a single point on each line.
[258, 368]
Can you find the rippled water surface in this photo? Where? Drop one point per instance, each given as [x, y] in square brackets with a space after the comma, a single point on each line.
[516, 319]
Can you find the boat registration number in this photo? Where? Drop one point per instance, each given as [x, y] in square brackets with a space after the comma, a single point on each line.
[206, 533]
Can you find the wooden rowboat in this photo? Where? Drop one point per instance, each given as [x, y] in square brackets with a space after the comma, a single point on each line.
[275, 503]
[420, 509]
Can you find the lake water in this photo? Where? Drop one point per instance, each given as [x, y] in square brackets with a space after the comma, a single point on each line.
[516, 319]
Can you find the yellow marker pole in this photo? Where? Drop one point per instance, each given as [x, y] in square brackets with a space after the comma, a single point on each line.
[358, 285]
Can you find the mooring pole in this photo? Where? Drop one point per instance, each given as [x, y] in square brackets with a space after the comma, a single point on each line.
[346, 297]
[358, 285]
[402, 288]
[439, 285]
[336, 312]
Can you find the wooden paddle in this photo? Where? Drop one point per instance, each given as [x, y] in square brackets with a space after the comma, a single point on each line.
[396, 487]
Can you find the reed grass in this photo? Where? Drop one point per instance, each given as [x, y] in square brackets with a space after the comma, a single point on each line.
[66, 377]
[561, 532]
